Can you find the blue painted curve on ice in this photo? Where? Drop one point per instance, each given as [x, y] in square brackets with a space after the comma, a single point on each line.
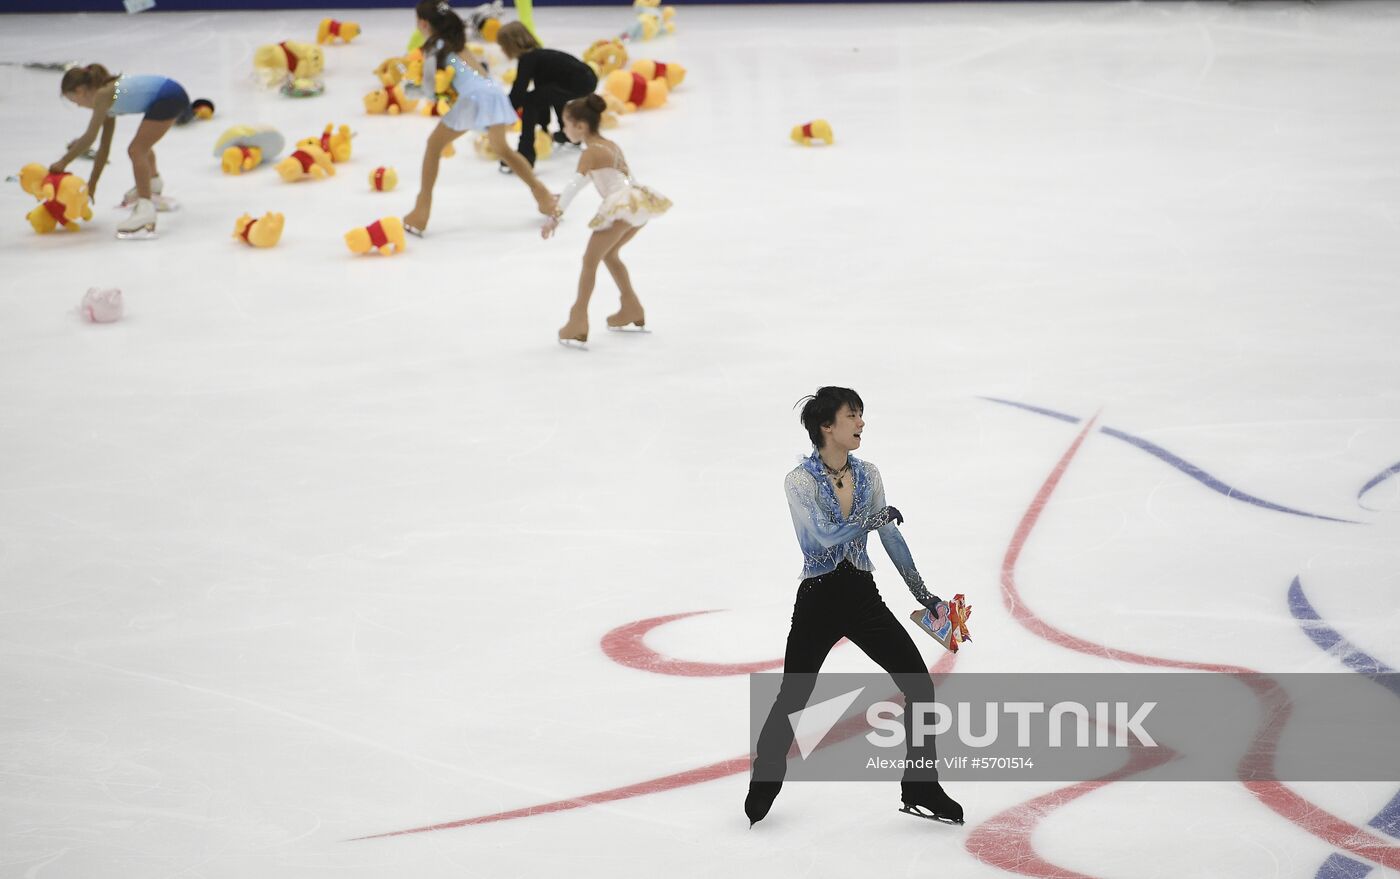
[1330, 640]
[1177, 462]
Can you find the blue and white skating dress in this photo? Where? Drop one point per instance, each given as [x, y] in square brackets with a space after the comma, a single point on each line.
[159, 97]
[480, 104]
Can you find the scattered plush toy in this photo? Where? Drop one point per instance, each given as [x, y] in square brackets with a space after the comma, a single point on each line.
[605, 56]
[391, 71]
[302, 87]
[262, 232]
[444, 95]
[635, 91]
[674, 74]
[244, 147]
[485, 20]
[63, 199]
[385, 236]
[383, 179]
[199, 109]
[31, 179]
[306, 163]
[102, 306]
[237, 159]
[390, 100]
[335, 144]
[414, 60]
[331, 30]
[289, 62]
[811, 132]
[652, 20]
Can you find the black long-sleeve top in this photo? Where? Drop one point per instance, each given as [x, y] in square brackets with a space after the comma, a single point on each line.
[545, 67]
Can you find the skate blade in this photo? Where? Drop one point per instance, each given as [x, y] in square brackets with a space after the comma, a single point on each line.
[162, 205]
[147, 233]
[413, 230]
[628, 328]
[920, 812]
[574, 343]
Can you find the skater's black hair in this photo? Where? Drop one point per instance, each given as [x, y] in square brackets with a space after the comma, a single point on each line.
[819, 409]
[448, 28]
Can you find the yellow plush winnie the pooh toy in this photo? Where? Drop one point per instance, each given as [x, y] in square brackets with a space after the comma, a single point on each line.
[390, 100]
[383, 179]
[605, 56]
[384, 236]
[63, 197]
[333, 143]
[276, 62]
[262, 232]
[331, 30]
[245, 147]
[811, 132]
[306, 163]
[636, 91]
[237, 159]
[674, 74]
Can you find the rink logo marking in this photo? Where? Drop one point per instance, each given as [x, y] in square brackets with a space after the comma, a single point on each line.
[1176, 462]
[1334, 643]
[1007, 848]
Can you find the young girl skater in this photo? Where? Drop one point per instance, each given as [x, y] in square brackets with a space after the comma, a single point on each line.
[558, 78]
[481, 104]
[626, 208]
[162, 101]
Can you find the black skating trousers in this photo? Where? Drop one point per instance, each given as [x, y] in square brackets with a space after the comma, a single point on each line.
[843, 603]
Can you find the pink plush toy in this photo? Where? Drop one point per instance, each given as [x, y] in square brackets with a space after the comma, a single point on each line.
[102, 306]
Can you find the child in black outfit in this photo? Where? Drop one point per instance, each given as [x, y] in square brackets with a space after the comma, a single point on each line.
[558, 78]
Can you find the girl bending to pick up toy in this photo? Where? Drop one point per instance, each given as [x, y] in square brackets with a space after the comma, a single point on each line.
[625, 209]
[481, 105]
[161, 100]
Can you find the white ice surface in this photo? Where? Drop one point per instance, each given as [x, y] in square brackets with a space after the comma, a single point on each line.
[311, 546]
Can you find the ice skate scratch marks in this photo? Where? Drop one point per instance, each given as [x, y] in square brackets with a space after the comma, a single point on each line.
[1258, 763]
[1004, 840]
[846, 729]
[1330, 640]
[1375, 481]
[1181, 464]
[625, 646]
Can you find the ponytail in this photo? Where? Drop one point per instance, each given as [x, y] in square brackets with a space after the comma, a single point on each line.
[448, 28]
[93, 76]
[588, 110]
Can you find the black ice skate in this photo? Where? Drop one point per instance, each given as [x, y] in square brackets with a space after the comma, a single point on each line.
[927, 799]
[760, 799]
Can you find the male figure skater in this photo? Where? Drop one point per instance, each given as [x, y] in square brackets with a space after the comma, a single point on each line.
[836, 500]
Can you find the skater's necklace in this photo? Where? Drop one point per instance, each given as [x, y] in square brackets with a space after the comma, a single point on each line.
[837, 474]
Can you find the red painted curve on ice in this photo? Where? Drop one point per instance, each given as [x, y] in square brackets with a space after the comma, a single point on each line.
[1010, 846]
[734, 766]
[626, 646]
[1004, 840]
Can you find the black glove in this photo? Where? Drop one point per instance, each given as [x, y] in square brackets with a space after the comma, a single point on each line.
[894, 515]
[931, 604]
